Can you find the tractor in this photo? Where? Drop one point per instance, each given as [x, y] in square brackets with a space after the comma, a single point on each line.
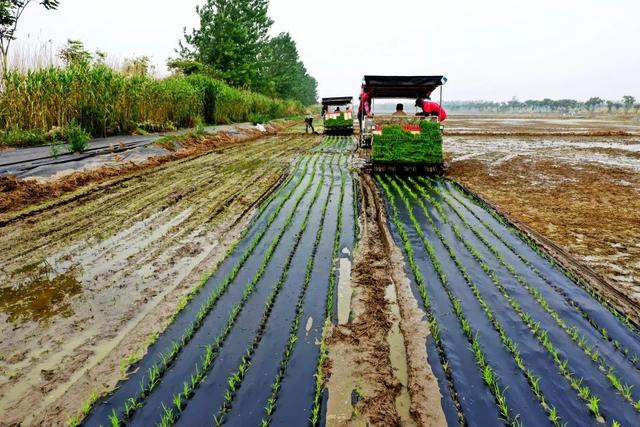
[401, 142]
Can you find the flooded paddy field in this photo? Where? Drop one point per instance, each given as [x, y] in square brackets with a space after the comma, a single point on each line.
[514, 340]
[581, 192]
[88, 283]
[272, 283]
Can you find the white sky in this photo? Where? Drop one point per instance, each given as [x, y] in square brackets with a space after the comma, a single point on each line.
[491, 49]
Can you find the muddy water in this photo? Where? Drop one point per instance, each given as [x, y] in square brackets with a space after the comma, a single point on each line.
[344, 291]
[398, 357]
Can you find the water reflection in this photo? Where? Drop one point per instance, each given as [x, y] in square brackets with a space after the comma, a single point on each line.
[36, 293]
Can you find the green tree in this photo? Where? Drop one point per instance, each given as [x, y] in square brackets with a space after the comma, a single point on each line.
[285, 76]
[628, 102]
[74, 53]
[593, 103]
[231, 39]
[10, 13]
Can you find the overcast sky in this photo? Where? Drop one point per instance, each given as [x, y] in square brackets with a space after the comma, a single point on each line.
[491, 49]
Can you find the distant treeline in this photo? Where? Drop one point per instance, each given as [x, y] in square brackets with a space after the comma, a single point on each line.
[627, 104]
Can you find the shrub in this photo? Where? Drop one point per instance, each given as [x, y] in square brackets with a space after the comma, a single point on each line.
[21, 138]
[77, 138]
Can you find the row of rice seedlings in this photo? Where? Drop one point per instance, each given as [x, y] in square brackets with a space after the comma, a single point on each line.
[168, 356]
[573, 333]
[535, 327]
[326, 143]
[182, 303]
[633, 358]
[180, 399]
[236, 378]
[293, 331]
[207, 275]
[322, 358]
[157, 370]
[622, 317]
[424, 295]
[486, 371]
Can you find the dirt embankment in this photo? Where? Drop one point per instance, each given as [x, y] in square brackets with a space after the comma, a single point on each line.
[85, 280]
[367, 360]
[581, 194]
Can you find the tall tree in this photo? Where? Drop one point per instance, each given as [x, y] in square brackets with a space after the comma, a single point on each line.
[10, 13]
[593, 103]
[231, 39]
[285, 75]
[628, 102]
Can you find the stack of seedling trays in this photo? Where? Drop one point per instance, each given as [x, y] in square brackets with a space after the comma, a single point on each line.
[406, 145]
[339, 125]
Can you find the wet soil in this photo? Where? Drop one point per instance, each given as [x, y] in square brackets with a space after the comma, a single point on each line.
[16, 193]
[89, 277]
[368, 358]
[582, 194]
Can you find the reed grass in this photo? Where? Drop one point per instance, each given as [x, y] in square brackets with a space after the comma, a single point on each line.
[105, 101]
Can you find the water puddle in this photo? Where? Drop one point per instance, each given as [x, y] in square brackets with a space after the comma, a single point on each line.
[40, 295]
[342, 388]
[344, 291]
[398, 357]
[309, 325]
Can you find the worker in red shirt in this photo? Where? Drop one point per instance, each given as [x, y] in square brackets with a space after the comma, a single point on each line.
[430, 108]
[364, 109]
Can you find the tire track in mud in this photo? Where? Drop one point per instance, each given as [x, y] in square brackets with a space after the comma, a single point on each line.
[578, 371]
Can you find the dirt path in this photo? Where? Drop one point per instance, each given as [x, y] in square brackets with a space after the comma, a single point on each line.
[86, 282]
[378, 358]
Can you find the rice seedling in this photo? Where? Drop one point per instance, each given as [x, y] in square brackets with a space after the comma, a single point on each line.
[542, 334]
[593, 406]
[464, 193]
[275, 387]
[402, 189]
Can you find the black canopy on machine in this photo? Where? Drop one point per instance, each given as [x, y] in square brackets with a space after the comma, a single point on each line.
[402, 86]
[338, 100]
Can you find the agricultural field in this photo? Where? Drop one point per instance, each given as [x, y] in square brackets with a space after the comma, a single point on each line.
[317, 294]
[248, 346]
[573, 181]
[89, 277]
[513, 338]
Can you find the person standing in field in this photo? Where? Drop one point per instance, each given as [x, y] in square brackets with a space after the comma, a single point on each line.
[364, 109]
[430, 108]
